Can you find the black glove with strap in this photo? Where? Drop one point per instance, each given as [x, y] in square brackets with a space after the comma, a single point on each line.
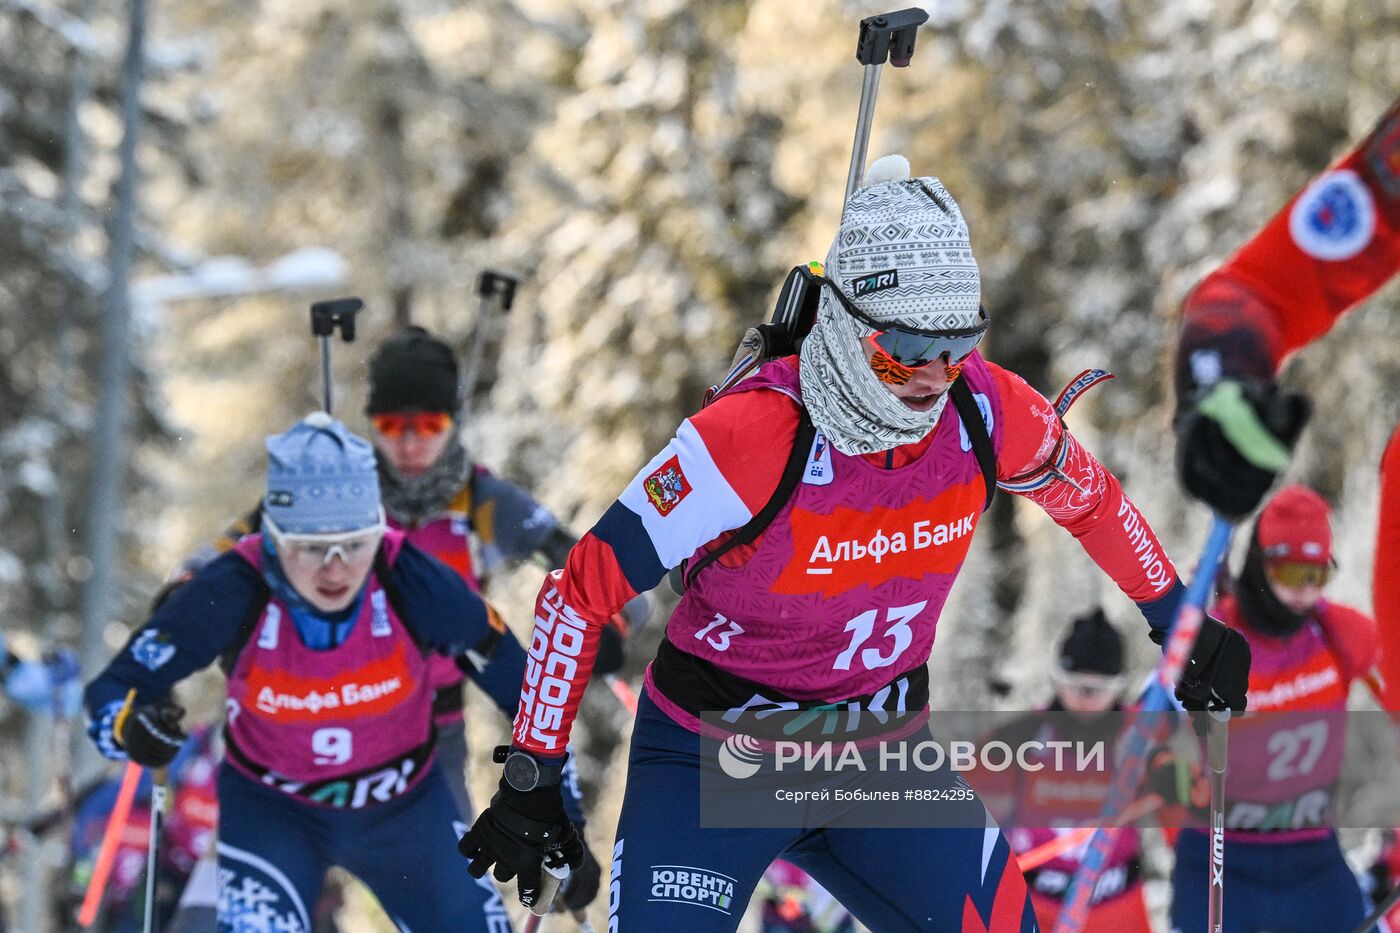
[150, 735]
[520, 830]
[1217, 674]
[1234, 438]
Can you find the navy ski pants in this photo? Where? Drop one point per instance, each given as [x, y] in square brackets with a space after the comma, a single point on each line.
[274, 852]
[669, 873]
[1301, 887]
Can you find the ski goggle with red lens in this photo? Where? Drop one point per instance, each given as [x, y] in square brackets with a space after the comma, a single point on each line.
[901, 351]
[422, 423]
[1296, 573]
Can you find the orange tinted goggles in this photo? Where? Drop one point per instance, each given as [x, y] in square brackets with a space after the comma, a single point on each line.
[422, 423]
[890, 372]
[1292, 573]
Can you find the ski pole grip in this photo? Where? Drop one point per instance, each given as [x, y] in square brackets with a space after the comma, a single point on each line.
[551, 881]
[497, 285]
[889, 37]
[337, 313]
[160, 789]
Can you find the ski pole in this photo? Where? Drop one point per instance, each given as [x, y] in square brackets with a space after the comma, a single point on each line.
[550, 882]
[533, 923]
[554, 880]
[116, 821]
[157, 809]
[1181, 638]
[887, 37]
[1217, 753]
[1043, 853]
[326, 318]
[493, 289]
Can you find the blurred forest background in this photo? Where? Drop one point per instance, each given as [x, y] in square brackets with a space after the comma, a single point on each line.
[649, 169]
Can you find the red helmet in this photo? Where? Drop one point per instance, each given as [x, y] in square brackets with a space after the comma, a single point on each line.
[1295, 527]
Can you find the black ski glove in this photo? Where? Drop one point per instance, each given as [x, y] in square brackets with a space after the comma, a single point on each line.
[150, 735]
[1233, 438]
[582, 886]
[1217, 675]
[516, 833]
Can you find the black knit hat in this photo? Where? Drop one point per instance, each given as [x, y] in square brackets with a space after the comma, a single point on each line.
[1092, 646]
[413, 372]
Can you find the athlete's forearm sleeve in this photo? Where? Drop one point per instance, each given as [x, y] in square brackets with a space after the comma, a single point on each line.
[558, 662]
[1334, 244]
[1040, 460]
[439, 608]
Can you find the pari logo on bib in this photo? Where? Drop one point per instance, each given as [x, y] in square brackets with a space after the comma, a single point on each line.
[1334, 218]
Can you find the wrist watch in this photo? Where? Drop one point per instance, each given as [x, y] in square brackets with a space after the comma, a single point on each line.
[524, 772]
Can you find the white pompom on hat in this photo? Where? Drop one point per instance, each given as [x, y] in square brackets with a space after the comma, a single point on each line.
[903, 253]
[892, 167]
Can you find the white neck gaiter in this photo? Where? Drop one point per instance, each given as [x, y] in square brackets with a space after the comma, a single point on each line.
[847, 402]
